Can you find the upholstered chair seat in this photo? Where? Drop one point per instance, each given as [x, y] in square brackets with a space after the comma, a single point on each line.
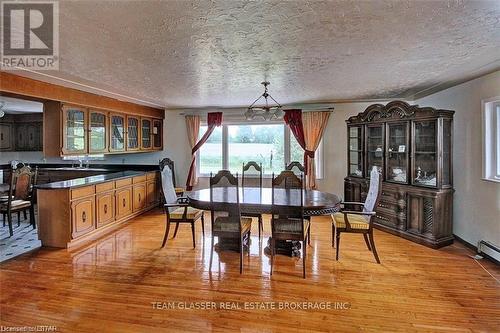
[230, 224]
[192, 213]
[290, 225]
[356, 221]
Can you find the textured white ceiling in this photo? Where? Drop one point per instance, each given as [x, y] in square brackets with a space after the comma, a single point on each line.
[216, 53]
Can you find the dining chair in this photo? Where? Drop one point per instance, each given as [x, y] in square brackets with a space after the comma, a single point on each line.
[169, 163]
[20, 197]
[287, 221]
[296, 167]
[228, 223]
[247, 171]
[359, 221]
[177, 209]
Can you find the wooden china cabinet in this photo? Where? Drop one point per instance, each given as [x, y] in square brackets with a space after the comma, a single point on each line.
[412, 147]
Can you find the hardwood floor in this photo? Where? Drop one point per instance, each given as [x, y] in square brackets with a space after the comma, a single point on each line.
[110, 285]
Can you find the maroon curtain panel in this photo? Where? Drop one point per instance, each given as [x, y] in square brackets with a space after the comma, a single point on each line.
[214, 120]
[293, 118]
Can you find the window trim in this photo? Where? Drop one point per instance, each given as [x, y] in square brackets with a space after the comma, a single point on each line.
[490, 111]
[287, 137]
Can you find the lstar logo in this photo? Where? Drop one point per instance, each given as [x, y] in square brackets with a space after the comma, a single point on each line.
[30, 35]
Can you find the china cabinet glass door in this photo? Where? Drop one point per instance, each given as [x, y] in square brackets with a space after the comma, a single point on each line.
[356, 151]
[146, 133]
[97, 132]
[117, 133]
[75, 134]
[157, 134]
[424, 153]
[447, 169]
[374, 148]
[397, 152]
[132, 133]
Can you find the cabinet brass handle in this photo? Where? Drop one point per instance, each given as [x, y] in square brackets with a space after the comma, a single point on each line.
[84, 217]
[105, 209]
[123, 202]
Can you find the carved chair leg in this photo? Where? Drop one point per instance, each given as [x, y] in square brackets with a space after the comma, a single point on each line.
[241, 253]
[24, 215]
[367, 242]
[203, 225]
[309, 234]
[304, 255]
[11, 231]
[337, 244]
[374, 250]
[176, 229]
[18, 218]
[249, 235]
[192, 233]
[260, 225]
[32, 216]
[167, 230]
[4, 219]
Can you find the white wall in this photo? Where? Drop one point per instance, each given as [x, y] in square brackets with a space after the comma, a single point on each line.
[476, 205]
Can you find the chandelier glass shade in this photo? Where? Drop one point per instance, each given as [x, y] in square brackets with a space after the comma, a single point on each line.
[265, 112]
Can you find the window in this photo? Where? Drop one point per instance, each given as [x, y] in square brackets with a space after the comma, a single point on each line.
[260, 143]
[231, 145]
[210, 154]
[491, 139]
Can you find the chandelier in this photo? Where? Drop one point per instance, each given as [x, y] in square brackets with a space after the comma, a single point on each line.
[265, 112]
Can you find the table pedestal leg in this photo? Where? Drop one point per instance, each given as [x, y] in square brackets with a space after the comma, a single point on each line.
[289, 248]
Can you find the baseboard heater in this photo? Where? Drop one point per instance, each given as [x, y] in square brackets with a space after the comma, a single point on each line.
[488, 248]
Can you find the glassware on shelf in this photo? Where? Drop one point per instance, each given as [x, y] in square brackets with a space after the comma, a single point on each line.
[425, 160]
[355, 151]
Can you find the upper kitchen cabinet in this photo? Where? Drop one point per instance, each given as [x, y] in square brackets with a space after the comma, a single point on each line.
[21, 132]
[157, 134]
[133, 133]
[75, 125]
[117, 133]
[146, 133]
[97, 131]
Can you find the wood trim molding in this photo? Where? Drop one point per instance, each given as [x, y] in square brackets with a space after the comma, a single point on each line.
[22, 86]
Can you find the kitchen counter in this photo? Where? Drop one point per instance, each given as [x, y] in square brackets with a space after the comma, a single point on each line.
[75, 211]
[92, 180]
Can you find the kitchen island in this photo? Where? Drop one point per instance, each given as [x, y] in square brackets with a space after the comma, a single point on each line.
[76, 211]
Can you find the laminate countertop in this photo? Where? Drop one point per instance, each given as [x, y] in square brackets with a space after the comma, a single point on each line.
[92, 180]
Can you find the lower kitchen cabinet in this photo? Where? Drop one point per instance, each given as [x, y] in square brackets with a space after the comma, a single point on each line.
[82, 216]
[70, 216]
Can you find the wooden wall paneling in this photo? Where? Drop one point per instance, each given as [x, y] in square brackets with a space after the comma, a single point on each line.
[15, 84]
[52, 129]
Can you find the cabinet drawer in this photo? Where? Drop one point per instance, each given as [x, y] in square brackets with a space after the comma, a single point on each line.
[99, 188]
[139, 192]
[82, 192]
[82, 216]
[105, 208]
[123, 202]
[139, 179]
[152, 175]
[386, 219]
[123, 182]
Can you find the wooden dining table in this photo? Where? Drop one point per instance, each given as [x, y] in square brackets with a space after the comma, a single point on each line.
[254, 200]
